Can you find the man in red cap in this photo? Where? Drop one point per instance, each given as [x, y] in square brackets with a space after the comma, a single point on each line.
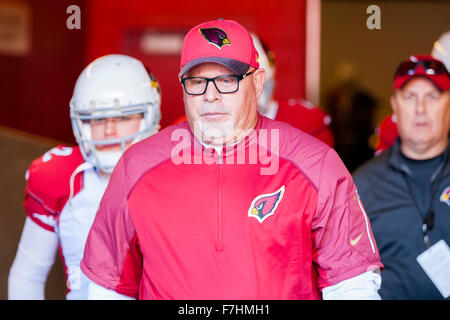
[386, 132]
[230, 204]
[406, 189]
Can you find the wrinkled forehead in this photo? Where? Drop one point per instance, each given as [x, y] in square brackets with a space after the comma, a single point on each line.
[420, 84]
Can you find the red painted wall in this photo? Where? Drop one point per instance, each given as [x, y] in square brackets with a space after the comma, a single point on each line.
[36, 89]
[280, 23]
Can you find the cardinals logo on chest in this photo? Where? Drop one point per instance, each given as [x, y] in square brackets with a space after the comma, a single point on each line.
[445, 196]
[263, 206]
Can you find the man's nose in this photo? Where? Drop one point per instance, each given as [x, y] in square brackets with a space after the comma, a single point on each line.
[211, 93]
[110, 127]
[420, 105]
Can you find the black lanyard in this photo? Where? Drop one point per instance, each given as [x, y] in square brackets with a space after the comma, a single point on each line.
[428, 221]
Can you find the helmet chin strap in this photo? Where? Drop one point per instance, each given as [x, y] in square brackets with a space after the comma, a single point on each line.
[108, 160]
[80, 168]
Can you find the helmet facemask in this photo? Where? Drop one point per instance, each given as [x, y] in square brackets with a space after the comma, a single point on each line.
[103, 159]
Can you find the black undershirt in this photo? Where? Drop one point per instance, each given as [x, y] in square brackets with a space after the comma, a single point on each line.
[420, 179]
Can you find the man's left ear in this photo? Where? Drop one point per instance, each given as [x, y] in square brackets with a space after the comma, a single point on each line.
[259, 76]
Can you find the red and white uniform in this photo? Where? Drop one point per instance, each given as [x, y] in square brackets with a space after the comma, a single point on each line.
[305, 116]
[219, 229]
[47, 203]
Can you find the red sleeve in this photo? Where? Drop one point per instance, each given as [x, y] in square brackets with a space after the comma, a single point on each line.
[112, 257]
[307, 117]
[344, 246]
[48, 186]
[386, 133]
[37, 211]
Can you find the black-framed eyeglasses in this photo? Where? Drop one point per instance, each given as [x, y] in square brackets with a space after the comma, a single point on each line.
[224, 84]
[431, 67]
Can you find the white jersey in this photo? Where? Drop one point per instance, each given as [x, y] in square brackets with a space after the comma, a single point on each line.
[73, 228]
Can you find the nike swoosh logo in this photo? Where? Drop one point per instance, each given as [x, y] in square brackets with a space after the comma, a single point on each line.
[356, 240]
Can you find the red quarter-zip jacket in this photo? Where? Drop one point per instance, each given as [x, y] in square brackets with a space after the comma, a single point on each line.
[276, 216]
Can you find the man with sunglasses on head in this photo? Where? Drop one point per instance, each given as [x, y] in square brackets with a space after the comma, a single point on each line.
[222, 226]
[386, 131]
[406, 189]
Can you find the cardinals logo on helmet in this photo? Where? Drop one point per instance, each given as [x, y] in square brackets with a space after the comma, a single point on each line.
[215, 36]
[263, 206]
[445, 196]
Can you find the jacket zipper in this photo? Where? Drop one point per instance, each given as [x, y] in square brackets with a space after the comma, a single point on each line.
[219, 243]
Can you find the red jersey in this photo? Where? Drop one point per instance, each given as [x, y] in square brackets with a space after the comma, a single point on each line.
[386, 133]
[305, 116]
[48, 187]
[55, 205]
[178, 221]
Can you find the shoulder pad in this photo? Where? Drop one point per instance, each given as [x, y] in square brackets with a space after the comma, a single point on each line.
[303, 115]
[48, 176]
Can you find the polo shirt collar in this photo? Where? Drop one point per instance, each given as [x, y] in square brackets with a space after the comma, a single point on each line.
[396, 161]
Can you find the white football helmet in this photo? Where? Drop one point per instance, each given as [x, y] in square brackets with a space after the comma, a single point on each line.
[441, 49]
[113, 86]
[267, 62]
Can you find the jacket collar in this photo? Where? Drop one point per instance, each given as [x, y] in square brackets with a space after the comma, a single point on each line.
[396, 161]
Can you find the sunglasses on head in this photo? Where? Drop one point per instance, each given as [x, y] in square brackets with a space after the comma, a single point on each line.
[431, 67]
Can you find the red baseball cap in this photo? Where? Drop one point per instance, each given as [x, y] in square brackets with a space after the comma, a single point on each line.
[423, 66]
[221, 41]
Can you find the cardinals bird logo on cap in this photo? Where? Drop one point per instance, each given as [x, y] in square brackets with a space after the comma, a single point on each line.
[215, 36]
[264, 205]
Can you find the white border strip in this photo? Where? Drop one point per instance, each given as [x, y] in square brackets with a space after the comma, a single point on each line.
[312, 63]
[367, 224]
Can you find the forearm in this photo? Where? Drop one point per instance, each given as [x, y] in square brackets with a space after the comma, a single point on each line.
[27, 279]
[34, 259]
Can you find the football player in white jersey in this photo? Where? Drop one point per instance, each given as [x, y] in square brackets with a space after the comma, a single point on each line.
[115, 103]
